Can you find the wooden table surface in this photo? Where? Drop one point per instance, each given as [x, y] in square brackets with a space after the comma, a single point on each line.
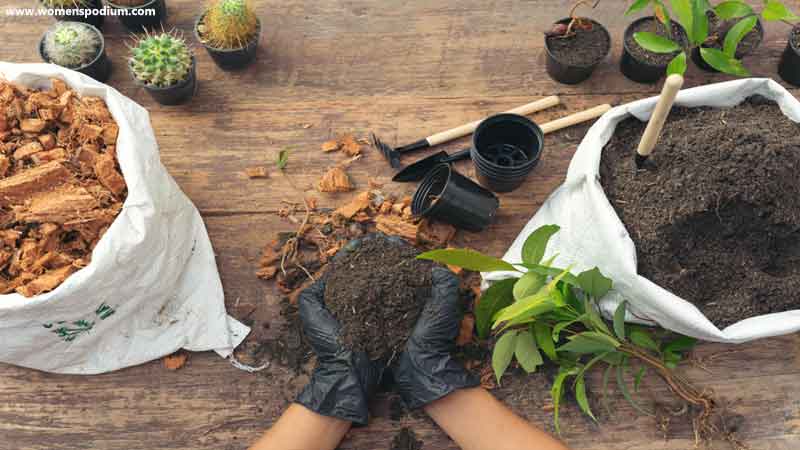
[404, 70]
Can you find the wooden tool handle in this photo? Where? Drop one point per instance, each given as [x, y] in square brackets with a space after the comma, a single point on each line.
[575, 119]
[660, 113]
[463, 130]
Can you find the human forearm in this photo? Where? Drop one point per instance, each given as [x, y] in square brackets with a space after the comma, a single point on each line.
[302, 429]
[475, 420]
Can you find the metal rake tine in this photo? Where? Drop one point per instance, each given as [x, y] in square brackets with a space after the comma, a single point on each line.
[388, 152]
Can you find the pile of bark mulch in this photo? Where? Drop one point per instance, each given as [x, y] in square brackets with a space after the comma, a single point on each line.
[60, 186]
[715, 215]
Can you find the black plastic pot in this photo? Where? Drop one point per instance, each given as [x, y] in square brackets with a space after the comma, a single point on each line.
[230, 59]
[450, 197]
[136, 22]
[99, 68]
[789, 67]
[96, 19]
[638, 70]
[505, 149]
[570, 74]
[701, 63]
[176, 94]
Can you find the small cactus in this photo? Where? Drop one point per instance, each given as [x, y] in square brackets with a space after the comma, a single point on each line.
[65, 4]
[71, 44]
[229, 24]
[161, 60]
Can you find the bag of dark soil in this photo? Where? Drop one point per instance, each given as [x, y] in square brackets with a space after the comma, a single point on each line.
[704, 239]
[146, 284]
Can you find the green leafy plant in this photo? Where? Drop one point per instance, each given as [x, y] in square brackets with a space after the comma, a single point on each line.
[550, 312]
[160, 60]
[691, 14]
[229, 24]
[71, 44]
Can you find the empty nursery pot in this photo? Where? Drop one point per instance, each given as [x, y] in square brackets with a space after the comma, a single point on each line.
[227, 58]
[132, 19]
[505, 149]
[568, 72]
[94, 17]
[448, 196]
[99, 68]
[636, 66]
[789, 68]
[176, 94]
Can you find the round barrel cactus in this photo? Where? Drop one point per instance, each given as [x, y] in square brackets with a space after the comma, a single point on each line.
[161, 60]
[229, 24]
[71, 44]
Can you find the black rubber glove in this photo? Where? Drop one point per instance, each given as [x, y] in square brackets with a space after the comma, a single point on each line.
[343, 380]
[426, 370]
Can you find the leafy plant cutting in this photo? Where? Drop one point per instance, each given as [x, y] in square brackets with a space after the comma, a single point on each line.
[548, 310]
[716, 32]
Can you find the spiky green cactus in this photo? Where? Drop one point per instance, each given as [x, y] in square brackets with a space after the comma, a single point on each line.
[229, 24]
[161, 60]
[71, 44]
[65, 4]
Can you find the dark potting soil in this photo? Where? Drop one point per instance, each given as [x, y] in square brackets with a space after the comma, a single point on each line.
[794, 38]
[719, 29]
[377, 293]
[654, 26]
[584, 48]
[715, 213]
[406, 440]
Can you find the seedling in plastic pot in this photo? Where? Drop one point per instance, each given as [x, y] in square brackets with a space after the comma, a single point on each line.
[551, 313]
[565, 30]
[165, 66]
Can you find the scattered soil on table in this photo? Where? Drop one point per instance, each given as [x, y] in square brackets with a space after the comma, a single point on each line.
[377, 292]
[60, 184]
[584, 48]
[406, 440]
[719, 29]
[715, 214]
[654, 26]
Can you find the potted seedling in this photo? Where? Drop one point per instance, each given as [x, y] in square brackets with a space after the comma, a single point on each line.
[719, 37]
[230, 31]
[87, 11]
[165, 66]
[645, 66]
[575, 46]
[77, 46]
[137, 15]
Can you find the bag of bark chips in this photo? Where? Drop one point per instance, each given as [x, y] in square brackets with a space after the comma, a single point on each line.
[148, 284]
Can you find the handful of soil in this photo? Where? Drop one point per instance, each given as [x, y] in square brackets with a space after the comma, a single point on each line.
[377, 293]
[716, 216]
[60, 185]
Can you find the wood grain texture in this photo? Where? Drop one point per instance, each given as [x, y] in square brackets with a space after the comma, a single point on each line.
[404, 70]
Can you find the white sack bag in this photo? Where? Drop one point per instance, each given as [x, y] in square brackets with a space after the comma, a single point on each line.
[593, 235]
[152, 286]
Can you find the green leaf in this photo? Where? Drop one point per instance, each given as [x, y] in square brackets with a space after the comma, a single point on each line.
[638, 5]
[553, 272]
[619, 321]
[774, 10]
[524, 308]
[580, 396]
[536, 244]
[683, 11]
[722, 62]
[655, 43]
[642, 339]
[662, 13]
[283, 159]
[562, 325]
[594, 322]
[638, 379]
[589, 342]
[594, 283]
[671, 359]
[625, 393]
[604, 388]
[732, 10]
[498, 296]
[467, 259]
[544, 339]
[736, 34]
[681, 344]
[699, 30]
[528, 284]
[557, 391]
[677, 65]
[503, 353]
[527, 353]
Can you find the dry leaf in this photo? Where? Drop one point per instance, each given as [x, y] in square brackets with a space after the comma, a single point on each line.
[176, 360]
[256, 172]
